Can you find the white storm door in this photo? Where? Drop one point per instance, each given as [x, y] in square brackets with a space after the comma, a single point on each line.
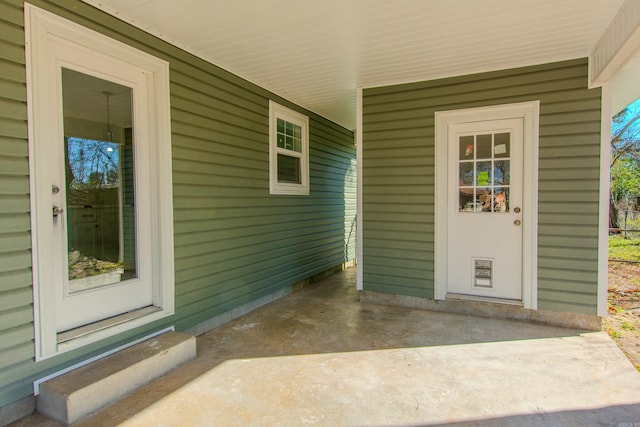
[92, 182]
[484, 187]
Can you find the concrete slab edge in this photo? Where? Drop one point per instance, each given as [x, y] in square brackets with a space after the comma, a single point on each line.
[235, 313]
[240, 311]
[487, 309]
[16, 410]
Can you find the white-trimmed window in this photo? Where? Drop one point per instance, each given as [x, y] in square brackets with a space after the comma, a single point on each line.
[288, 151]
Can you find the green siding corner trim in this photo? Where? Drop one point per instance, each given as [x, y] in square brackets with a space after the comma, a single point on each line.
[398, 178]
[234, 243]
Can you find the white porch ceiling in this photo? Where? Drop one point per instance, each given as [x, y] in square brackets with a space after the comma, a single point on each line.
[316, 53]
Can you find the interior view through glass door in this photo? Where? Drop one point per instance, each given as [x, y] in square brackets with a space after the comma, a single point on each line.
[99, 187]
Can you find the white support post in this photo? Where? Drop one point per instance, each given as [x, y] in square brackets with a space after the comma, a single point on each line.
[359, 240]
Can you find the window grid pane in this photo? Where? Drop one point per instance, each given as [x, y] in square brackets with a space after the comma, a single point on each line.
[484, 172]
[289, 136]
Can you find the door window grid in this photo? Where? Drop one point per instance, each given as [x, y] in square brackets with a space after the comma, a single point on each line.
[484, 172]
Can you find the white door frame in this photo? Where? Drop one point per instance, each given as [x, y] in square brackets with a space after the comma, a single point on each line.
[43, 28]
[529, 113]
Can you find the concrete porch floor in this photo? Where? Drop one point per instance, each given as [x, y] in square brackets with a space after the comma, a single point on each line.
[320, 357]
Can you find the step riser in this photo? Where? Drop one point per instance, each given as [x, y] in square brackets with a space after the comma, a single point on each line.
[75, 395]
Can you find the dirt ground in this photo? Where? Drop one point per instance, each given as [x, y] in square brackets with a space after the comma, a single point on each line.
[623, 322]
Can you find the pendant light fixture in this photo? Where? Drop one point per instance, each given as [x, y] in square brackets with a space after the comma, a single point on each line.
[109, 133]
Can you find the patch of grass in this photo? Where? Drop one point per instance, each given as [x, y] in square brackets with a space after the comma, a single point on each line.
[614, 334]
[626, 249]
[628, 326]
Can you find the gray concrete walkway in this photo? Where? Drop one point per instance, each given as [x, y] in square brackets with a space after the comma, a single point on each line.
[320, 357]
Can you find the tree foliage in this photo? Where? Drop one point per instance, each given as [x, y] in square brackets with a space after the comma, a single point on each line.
[91, 163]
[625, 161]
[625, 186]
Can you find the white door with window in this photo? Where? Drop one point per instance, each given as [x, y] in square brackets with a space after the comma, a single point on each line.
[486, 203]
[101, 204]
[485, 208]
[95, 207]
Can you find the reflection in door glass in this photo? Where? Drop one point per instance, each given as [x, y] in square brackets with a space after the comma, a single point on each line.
[483, 146]
[467, 148]
[501, 172]
[466, 173]
[502, 147]
[99, 170]
[484, 172]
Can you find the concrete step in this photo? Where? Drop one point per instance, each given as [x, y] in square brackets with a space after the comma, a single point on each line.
[76, 394]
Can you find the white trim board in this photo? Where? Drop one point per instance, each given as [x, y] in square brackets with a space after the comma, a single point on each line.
[603, 227]
[359, 225]
[618, 43]
[529, 112]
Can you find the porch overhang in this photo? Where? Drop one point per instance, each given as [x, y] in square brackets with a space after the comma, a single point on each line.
[316, 54]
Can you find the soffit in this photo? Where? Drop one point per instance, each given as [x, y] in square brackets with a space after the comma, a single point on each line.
[316, 53]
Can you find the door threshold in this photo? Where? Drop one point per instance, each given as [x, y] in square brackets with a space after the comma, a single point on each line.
[485, 299]
[85, 330]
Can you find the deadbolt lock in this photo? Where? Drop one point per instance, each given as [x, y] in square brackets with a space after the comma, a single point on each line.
[516, 210]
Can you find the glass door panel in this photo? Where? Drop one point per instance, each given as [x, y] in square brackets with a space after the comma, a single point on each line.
[99, 181]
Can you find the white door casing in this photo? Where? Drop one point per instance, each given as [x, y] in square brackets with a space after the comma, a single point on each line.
[461, 121]
[55, 44]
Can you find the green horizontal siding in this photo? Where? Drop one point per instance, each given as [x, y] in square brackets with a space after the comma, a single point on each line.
[398, 178]
[234, 242]
[16, 295]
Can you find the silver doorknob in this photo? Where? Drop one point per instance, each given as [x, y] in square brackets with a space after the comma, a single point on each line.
[57, 211]
[517, 222]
